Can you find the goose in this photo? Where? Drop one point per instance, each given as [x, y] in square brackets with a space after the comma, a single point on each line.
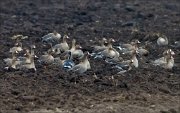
[77, 53]
[27, 56]
[170, 63]
[62, 47]
[75, 50]
[47, 58]
[110, 52]
[101, 47]
[68, 63]
[128, 48]
[167, 62]
[11, 62]
[167, 54]
[28, 66]
[142, 51]
[162, 40]
[51, 38]
[16, 48]
[124, 66]
[19, 37]
[83, 66]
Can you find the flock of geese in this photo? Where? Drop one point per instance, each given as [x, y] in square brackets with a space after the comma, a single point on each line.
[73, 58]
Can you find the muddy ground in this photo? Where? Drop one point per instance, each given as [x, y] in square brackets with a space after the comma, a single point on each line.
[148, 89]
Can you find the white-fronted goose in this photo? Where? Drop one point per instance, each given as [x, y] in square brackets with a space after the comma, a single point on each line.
[101, 47]
[82, 66]
[28, 66]
[68, 63]
[162, 40]
[124, 66]
[62, 47]
[128, 48]
[47, 58]
[17, 48]
[52, 38]
[11, 62]
[167, 61]
[77, 53]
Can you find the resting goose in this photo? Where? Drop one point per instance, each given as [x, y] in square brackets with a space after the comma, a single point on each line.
[128, 48]
[124, 66]
[17, 48]
[162, 40]
[110, 52]
[166, 61]
[102, 46]
[68, 63]
[52, 38]
[47, 58]
[77, 53]
[83, 66]
[11, 62]
[27, 56]
[30, 65]
[19, 37]
[142, 51]
[62, 47]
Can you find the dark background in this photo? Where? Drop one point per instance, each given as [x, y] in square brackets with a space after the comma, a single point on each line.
[148, 89]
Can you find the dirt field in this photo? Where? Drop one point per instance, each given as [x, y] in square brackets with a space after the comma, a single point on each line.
[148, 89]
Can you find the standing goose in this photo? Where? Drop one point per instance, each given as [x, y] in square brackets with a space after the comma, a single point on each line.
[52, 38]
[162, 40]
[62, 47]
[83, 66]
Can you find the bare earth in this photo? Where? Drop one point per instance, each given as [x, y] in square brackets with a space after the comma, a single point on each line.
[148, 89]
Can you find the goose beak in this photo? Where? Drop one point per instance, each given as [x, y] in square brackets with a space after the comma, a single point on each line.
[113, 40]
[33, 46]
[35, 56]
[16, 52]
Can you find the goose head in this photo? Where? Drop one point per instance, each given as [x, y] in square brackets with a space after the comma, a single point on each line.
[65, 37]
